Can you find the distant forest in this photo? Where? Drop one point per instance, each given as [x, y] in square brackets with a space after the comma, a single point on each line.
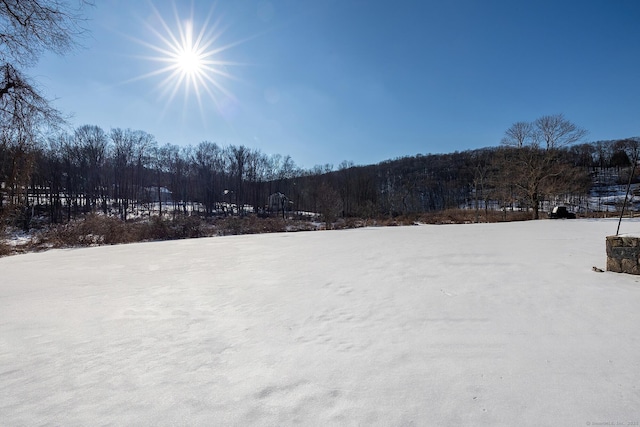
[126, 174]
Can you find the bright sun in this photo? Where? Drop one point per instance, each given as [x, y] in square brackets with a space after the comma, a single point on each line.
[187, 56]
[191, 60]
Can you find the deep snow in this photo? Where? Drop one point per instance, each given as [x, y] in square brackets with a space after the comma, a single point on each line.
[487, 324]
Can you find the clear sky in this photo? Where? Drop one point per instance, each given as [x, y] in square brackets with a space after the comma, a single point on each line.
[360, 80]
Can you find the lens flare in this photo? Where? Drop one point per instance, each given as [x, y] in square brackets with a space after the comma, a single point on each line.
[191, 61]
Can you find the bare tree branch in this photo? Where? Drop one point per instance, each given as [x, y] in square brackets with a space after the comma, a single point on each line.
[518, 135]
[29, 27]
[556, 131]
[535, 167]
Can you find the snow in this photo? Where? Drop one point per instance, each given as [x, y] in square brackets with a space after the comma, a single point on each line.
[483, 324]
[16, 238]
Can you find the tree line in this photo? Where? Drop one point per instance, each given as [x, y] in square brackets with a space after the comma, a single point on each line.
[52, 175]
[123, 172]
[126, 173]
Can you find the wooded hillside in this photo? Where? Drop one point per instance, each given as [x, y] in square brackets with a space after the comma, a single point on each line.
[126, 174]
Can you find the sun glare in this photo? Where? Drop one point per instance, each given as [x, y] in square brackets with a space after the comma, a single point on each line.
[191, 61]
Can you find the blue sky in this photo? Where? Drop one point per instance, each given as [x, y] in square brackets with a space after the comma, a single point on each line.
[330, 80]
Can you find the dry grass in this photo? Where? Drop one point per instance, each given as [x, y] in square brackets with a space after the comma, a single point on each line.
[254, 225]
[94, 229]
[103, 230]
[458, 216]
[5, 249]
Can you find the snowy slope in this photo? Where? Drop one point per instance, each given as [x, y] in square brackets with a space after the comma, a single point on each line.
[488, 324]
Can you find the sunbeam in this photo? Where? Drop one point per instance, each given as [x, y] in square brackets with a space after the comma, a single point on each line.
[190, 58]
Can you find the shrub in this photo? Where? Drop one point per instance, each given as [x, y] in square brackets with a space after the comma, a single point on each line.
[97, 229]
[5, 249]
[250, 225]
[91, 230]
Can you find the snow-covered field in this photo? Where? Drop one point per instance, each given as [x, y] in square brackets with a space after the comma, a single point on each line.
[465, 325]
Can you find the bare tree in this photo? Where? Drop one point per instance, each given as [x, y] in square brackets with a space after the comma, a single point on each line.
[174, 163]
[534, 170]
[256, 176]
[209, 166]
[92, 145]
[27, 29]
[344, 176]
[481, 169]
[130, 156]
[238, 158]
[556, 131]
[16, 165]
[122, 153]
[519, 135]
[329, 203]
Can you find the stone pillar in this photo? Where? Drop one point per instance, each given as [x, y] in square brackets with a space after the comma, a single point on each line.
[623, 254]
